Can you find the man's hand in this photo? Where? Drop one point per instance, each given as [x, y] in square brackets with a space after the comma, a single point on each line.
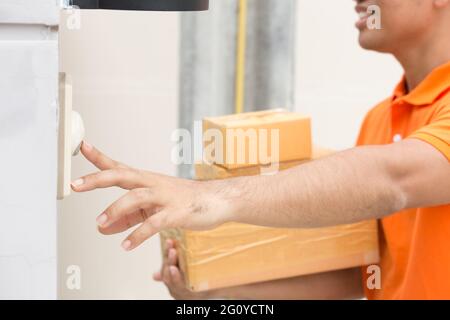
[173, 278]
[155, 202]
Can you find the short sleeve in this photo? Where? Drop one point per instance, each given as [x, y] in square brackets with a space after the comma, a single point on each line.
[437, 133]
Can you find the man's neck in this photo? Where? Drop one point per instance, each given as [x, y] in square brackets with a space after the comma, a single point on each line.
[419, 61]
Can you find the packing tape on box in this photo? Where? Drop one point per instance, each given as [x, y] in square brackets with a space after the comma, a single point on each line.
[231, 239]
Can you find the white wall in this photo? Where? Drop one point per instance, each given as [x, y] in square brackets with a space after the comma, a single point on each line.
[125, 72]
[337, 81]
[28, 107]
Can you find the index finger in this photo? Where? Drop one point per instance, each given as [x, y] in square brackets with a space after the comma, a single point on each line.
[97, 158]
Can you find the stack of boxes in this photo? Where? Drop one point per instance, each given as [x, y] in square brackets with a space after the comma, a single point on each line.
[236, 254]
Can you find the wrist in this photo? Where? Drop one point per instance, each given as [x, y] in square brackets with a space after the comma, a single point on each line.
[226, 199]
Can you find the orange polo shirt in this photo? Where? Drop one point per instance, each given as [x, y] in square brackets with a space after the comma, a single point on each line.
[415, 243]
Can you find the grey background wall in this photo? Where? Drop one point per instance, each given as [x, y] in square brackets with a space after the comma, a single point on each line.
[208, 60]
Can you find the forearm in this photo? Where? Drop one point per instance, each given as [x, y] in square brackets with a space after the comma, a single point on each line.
[342, 284]
[350, 186]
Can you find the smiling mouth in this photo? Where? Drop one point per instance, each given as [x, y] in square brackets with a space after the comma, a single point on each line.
[364, 13]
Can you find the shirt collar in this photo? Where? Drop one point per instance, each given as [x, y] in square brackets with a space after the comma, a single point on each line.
[428, 91]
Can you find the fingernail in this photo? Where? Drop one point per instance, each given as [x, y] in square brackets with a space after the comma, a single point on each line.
[101, 219]
[87, 145]
[173, 270]
[126, 245]
[77, 182]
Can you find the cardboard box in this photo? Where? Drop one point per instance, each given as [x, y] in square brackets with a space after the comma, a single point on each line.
[257, 138]
[204, 171]
[237, 254]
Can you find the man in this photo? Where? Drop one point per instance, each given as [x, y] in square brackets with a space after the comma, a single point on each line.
[399, 173]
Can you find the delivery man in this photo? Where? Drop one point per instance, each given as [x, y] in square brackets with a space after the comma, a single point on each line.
[399, 173]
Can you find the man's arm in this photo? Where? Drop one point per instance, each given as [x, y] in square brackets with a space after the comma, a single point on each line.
[358, 184]
[354, 185]
[341, 284]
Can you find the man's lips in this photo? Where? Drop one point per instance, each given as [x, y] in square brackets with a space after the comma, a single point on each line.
[363, 16]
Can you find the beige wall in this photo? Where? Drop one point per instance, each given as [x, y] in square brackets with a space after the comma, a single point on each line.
[125, 71]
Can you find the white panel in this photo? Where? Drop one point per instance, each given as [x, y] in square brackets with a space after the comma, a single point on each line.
[15, 277]
[28, 32]
[28, 93]
[45, 12]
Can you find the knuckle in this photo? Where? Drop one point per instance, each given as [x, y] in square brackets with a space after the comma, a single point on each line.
[111, 212]
[139, 234]
[132, 172]
[120, 173]
[91, 178]
[95, 157]
[160, 222]
[142, 233]
[127, 221]
[155, 221]
[141, 194]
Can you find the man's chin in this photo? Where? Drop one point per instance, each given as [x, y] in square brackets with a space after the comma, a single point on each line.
[369, 41]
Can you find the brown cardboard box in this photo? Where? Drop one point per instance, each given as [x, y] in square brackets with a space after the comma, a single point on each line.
[204, 171]
[236, 254]
[257, 138]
